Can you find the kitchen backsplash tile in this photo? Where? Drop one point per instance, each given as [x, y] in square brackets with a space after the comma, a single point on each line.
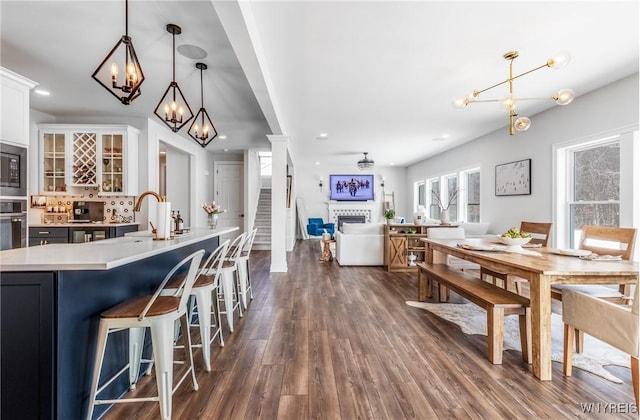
[116, 208]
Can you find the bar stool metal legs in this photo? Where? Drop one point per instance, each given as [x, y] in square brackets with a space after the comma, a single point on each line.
[158, 313]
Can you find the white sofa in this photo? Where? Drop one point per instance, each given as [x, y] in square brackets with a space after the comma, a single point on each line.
[360, 244]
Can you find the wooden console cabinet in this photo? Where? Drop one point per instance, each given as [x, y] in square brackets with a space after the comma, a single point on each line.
[403, 240]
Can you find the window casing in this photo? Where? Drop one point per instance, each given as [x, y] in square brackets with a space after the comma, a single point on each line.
[594, 187]
[466, 206]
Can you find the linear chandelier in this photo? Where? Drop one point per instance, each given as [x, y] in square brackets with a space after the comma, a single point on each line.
[365, 163]
[128, 88]
[510, 102]
[173, 105]
[202, 129]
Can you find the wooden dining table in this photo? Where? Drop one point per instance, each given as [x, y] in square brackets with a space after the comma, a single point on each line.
[542, 267]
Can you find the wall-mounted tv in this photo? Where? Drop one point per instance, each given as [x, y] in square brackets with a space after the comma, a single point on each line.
[351, 187]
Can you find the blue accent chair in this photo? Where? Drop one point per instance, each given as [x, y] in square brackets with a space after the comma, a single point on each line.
[317, 226]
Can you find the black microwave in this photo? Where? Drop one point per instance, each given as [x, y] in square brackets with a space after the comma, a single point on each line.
[13, 170]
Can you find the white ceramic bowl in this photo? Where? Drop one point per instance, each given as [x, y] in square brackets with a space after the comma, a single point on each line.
[514, 241]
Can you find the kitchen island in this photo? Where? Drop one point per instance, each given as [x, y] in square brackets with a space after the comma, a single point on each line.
[51, 300]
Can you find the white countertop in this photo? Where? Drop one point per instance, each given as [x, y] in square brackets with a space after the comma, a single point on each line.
[99, 255]
[87, 224]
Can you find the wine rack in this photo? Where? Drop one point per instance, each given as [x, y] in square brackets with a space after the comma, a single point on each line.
[84, 171]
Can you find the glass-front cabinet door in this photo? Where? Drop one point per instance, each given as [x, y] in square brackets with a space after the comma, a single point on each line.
[75, 157]
[112, 163]
[54, 162]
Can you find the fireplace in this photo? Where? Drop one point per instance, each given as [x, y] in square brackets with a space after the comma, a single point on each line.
[365, 208]
[351, 219]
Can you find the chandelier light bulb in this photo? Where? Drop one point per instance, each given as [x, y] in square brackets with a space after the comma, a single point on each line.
[564, 97]
[559, 60]
[460, 103]
[522, 124]
[509, 102]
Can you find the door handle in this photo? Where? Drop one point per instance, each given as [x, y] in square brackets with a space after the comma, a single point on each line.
[242, 215]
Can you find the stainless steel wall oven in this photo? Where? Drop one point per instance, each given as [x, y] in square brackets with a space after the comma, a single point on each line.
[13, 224]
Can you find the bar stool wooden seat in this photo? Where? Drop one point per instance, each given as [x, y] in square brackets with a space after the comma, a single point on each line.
[205, 290]
[159, 313]
[230, 279]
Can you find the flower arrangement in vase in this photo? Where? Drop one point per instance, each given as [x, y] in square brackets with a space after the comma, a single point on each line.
[212, 210]
[444, 208]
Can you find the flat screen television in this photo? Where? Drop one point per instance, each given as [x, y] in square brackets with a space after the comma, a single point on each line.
[351, 187]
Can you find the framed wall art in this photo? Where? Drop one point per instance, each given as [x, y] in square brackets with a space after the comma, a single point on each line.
[514, 178]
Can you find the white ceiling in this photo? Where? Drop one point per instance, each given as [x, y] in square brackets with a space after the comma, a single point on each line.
[377, 77]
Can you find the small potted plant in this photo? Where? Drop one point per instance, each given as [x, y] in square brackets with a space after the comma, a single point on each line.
[389, 214]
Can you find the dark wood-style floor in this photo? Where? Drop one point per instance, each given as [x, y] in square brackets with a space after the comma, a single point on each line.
[330, 342]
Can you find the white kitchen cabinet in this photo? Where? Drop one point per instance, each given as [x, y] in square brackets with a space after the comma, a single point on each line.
[14, 107]
[101, 156]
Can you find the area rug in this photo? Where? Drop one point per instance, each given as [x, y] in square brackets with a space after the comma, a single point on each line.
[473, 320]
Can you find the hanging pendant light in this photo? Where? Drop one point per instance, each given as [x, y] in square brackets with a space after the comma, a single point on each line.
[510, 102]
[365, 163]
[127, 88]
[173, 108]
[202, 129]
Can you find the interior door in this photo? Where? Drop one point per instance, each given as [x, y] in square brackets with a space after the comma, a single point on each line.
[229, 193]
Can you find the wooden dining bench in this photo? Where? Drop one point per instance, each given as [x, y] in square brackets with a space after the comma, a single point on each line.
[496, 301]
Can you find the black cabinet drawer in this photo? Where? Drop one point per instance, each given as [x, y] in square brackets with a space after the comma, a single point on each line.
[121, 230]
[48, 235]
[48, 232]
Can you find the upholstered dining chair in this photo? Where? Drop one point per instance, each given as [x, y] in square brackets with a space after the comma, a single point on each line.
[540, 233]
[616, 325]
[601, 240]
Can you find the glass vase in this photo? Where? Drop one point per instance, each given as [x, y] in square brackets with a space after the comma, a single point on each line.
[212, 221]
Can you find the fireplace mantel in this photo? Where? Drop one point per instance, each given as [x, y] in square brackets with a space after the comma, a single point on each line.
[352, 208]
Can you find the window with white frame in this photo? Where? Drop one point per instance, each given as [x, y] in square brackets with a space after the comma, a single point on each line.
[449, 197]
[421, 194]
[594, 186]
[460, 191]
[471, 194]
[434, 208]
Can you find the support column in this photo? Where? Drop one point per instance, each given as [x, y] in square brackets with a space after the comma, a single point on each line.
[279, 146]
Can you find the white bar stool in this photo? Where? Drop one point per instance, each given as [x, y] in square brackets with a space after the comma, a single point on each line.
[230, 279]
[159, 313]
[205, 290]
[244, 268]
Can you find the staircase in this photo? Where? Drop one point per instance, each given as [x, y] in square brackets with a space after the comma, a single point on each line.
[263, 220]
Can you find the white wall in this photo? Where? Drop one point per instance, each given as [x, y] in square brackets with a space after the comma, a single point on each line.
[178, 188]
[316, 200]
[200, 181]
[600, 111]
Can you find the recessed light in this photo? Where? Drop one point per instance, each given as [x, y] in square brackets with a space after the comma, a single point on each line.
[42, 92]
[226, 150]
[222, 137]
[322, 136]
[317, 163]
